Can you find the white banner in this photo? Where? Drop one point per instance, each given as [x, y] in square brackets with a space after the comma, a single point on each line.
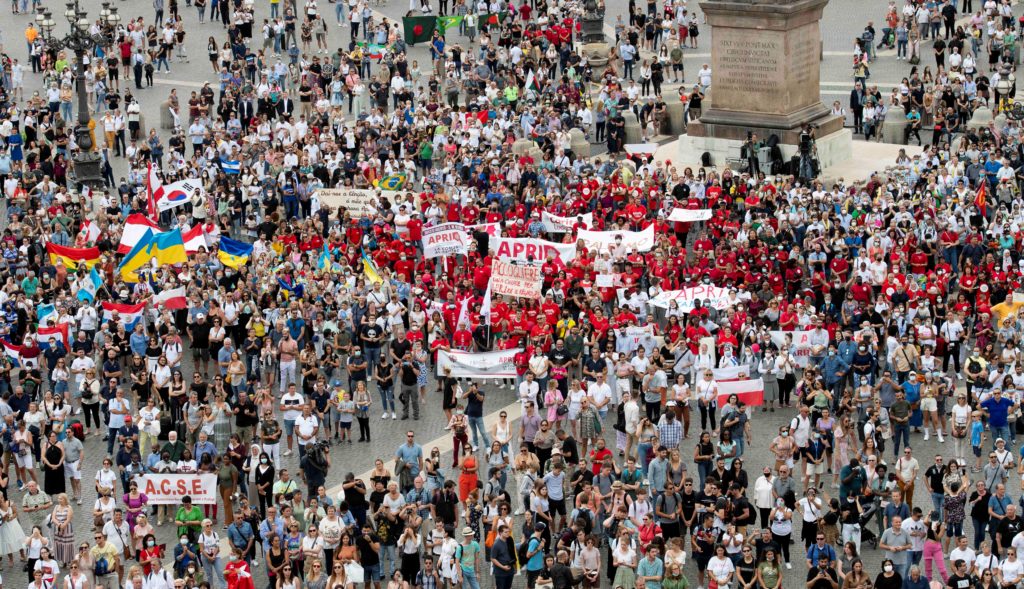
[556, 224]
[689, 215]
[801, 348]
[516, 280]
[642, 241]
[637, 336]
[357, 201]
[523, 249]
[170, 489]
[709, 295]
[487, 364]
[445, 239]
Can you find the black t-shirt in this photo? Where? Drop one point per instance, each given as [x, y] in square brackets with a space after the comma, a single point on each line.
[934, 476]
[1008, 528]
[958, 582]
[761, 546]
[200, 388]
[200, 334]
[559, 357]
[372, 330]
[821, 583]
[244, 420]
[400, 348]
[368, 556]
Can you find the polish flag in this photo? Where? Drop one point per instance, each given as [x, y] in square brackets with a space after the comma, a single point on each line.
[135, 228]
[750, 392]
[194, 239]
[172, 299]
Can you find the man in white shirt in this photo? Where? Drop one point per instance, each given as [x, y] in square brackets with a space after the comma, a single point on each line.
[600, 394]
[963, 551]
[528, 390]
[306, 426]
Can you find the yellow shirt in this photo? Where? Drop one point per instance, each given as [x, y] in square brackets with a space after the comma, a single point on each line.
[31, 33]
[109, 552]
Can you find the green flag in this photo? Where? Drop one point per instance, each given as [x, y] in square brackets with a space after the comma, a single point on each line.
[492, 18]
[446, 22]
[419, 29]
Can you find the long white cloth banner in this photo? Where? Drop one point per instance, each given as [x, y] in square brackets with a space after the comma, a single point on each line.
[731, 372]
[516, 280]
[499, 364]
[689, 215]
[556, 224]
[170, 489]
[445, 239]
[716, 297]
[642, 241]
[524, 248]
[800, 348]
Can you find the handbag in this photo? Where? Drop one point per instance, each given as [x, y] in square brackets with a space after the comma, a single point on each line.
[597, 424]
[489, 540]
[353, 573]
[562, 410]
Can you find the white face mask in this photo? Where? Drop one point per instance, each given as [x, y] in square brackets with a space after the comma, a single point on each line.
[888, 568]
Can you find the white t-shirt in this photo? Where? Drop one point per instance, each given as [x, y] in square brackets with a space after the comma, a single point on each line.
[1012, 571]
[720, 567]
[305, 426]
[294, 403]
[599, 393]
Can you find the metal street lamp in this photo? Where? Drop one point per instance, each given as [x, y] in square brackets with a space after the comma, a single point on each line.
[80, 40]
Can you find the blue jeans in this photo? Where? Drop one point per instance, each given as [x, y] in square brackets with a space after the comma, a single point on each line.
[214, 569]
[372, 356]
[387, 560]
[387, 396]
[1002, 431]
[476, 424]
[937, 502]
[979, 532]
[339, 11]
[469, 580]
[898, 430]
[642, 449]
[703, 470]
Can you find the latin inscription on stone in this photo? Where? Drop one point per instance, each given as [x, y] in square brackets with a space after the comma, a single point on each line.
[748, 64]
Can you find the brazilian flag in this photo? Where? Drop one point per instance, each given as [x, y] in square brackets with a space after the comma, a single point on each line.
[393, 181]
[448, 22]
[419, 29]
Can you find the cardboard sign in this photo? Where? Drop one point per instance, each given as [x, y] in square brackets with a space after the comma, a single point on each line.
[641, 241]
[170, 489]
[522, 249]
[516, 280]
[445, 239]
[557, 224]
[716, 297]
[689, 215]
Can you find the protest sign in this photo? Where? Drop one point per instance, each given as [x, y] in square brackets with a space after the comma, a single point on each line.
[516, 280]
[641, 241]
[556, 224]
[709, 295]
[445, 239]
[801, 347]
[522, 249]
[689, 215]
[498, 364]
[170, 489]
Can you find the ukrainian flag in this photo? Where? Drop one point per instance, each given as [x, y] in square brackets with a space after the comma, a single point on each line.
[166, 248]
[73, 256]
[370, 270]
[393, 181]
[234, 254]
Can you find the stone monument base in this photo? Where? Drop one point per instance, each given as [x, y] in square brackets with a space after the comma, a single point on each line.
[833, 148]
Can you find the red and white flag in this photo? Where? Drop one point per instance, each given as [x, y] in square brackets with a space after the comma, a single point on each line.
[750, 392]
[152, 184]
[194, 239]
[172, 299]
[135, 228]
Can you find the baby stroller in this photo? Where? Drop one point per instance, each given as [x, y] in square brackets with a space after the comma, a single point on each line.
[866, 517]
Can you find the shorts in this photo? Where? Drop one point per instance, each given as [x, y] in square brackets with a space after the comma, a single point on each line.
[977, 451]
[556, 506]
[929, 404]
[954, 530]
[345, 424]
[372, 572]
[201, 354]
[677, 67]
[26, 461]
[289, 427]
[73, 469]
[815, 468]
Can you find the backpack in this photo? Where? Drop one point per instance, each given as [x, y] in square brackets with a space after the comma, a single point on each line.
[523, 550]
[102, 567]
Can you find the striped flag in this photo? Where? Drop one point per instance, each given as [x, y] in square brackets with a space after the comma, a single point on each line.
[194, 239]
[89, 286]
[172, 299]
[135, 228]
[127, 315]
[750, 392]
[91, 230]
[13, 352]
[230, 166]
[59, 331]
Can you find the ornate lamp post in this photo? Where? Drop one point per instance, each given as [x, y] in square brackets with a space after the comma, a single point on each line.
[80, 41]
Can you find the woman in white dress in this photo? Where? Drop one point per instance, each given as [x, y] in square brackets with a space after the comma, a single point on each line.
[12, 535]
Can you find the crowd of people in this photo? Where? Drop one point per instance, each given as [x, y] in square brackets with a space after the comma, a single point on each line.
[871, 315]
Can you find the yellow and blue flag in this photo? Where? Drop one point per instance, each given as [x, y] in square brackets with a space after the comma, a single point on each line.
[166, 248]
[234, 254]
[370, 270]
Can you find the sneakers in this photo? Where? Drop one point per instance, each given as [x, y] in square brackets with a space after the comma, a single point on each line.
[926, 435]
[287, 453]
[385, 415]
[393, 415]
[789, 566]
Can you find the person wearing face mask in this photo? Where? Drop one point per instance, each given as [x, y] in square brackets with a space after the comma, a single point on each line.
[769, 376]
[763, 500]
